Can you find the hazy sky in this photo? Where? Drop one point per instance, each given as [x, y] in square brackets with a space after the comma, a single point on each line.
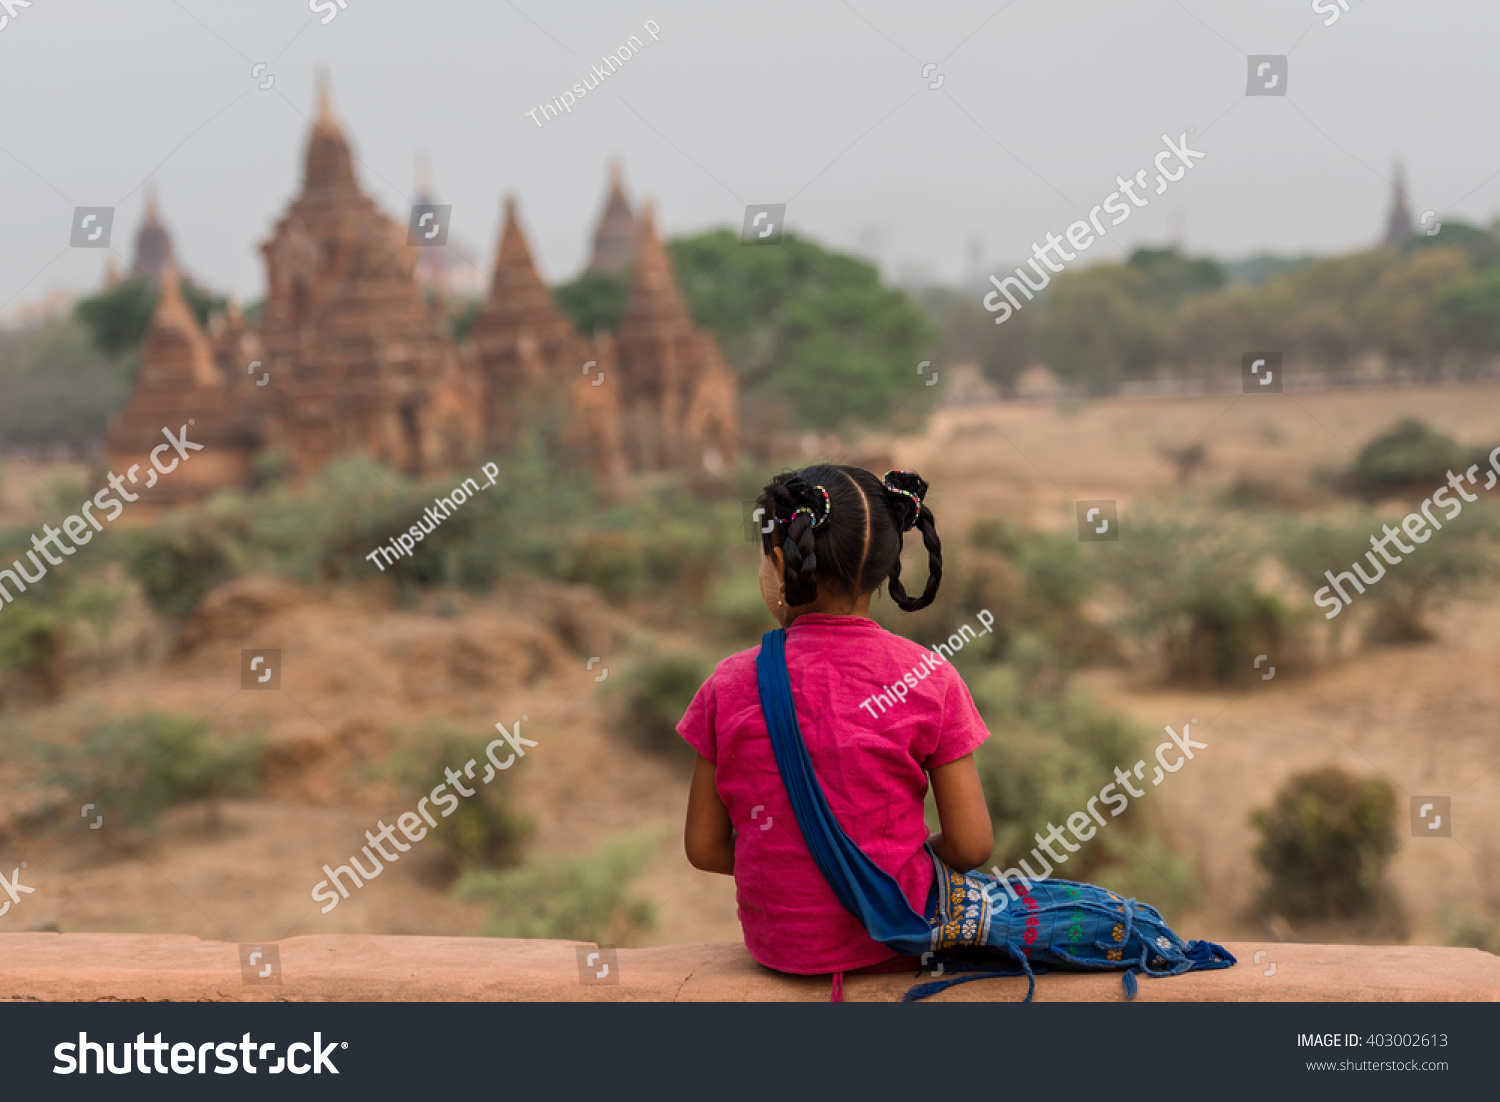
[819, 104]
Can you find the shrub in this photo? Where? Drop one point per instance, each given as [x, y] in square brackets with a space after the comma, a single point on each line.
[139, 766]
[584, 899]
[1189, 600]
[1446, 565]
[1048, 754]
[1226, 630]
[1033, 583]
[1469, 931]
[484, 831]
[1325, 843]
[33, 638]
[657, 690]
[178, 562]
[1408, 457]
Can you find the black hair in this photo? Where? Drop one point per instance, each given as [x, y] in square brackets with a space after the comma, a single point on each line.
[845, 527]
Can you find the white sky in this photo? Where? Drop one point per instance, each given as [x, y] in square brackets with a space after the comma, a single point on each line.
[797, 101]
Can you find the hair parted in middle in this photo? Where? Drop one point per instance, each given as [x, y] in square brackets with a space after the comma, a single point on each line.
[844, 527]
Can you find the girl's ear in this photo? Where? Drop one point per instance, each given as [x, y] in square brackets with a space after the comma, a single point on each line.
[779, 560]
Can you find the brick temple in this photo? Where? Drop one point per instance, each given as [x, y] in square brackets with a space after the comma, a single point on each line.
[181, 382]
[356, 349]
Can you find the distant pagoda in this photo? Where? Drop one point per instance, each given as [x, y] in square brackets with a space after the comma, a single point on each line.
[615, 236]
[359, 360]
[180, 385]
[153, 245]
[533, 364]
[1398, 227]
[679, 393]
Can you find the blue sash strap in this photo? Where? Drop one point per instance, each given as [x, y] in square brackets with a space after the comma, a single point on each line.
[1056, 923]
[866, 891]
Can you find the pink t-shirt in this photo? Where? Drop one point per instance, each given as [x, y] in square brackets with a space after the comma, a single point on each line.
[870, 761]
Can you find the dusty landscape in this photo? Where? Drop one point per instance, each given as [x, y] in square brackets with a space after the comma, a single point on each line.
[357, 664]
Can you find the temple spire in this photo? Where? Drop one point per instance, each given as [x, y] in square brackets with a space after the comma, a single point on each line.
[175, 353]
[329, 162]
[326, 117]
[1398, 228]
[518, 297]
[153, 245]
[654, 299]
[614, 237]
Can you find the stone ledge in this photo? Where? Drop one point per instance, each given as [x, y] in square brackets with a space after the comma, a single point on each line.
[352, 968]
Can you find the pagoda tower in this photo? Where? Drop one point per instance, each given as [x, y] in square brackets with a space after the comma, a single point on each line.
[359, 360]
[679, 395]
[179, 384]
[1398, 227]
[614, 237]
[153, 245]
[535, 367]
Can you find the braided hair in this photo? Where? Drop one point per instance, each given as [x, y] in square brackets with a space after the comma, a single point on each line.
[844, 527]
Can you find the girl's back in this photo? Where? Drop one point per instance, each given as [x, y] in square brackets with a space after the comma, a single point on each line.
[872, 763]
[837, 536]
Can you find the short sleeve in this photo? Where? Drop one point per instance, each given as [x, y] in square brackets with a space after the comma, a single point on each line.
[698, 724]
[962, 728]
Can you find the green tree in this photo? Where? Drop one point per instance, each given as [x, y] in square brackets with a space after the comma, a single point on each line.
[594, 301]
[119, 316]
[57, 385]
[1099, 327]
[814, 329]
[967, 333]
[812, 326]
[1469, 312]
[1174, 276]
[1399, 314]
[1481, 246]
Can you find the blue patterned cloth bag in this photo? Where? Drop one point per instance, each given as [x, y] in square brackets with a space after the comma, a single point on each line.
[978, 925]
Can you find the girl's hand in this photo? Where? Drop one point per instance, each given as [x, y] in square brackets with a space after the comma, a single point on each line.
[966, 839]
[709, 835]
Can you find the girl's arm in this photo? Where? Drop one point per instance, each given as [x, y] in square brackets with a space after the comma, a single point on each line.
[709, 835]
[966, 838]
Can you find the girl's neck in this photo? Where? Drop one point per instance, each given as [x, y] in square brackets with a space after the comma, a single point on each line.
[829, 605]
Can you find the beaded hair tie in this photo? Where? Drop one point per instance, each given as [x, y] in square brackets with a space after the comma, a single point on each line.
[815, 520]
[899, 490]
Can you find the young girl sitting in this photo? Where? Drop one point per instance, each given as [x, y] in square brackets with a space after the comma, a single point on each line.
[836, 538]
[812, 797]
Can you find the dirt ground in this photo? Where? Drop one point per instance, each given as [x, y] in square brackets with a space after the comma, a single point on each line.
[355, 664]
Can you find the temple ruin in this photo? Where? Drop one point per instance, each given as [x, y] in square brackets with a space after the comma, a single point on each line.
[354, 352]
